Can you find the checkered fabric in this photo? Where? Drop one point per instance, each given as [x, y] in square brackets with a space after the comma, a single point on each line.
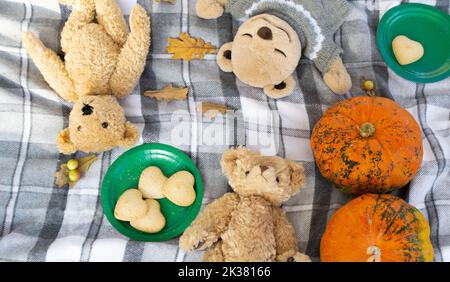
[39, 222]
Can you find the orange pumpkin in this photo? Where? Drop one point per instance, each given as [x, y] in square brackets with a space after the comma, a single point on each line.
[377, 228]
[367, 145]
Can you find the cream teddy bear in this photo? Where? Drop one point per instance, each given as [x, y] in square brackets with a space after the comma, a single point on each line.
[102, 62]
[275, 33]
[249, 225]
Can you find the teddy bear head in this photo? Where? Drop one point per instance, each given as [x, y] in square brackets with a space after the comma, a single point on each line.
[265, 52]
[273, 178]
[96, 124]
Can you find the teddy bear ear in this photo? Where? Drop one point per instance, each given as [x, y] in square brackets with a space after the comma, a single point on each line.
[281, 90]
[224, 57]
[65, 145]
[130, 137]
[297, 176]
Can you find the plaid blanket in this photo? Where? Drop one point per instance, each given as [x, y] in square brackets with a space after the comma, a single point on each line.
[39, 222]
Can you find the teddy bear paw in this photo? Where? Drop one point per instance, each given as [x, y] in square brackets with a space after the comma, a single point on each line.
[293, 256]
[209, 9]
[338, 79]
[202, 241]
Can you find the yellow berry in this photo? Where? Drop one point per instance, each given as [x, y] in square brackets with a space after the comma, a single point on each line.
[74, 175]
[368, 85]
[72, 164]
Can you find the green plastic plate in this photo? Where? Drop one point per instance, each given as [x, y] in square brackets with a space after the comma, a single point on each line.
[124, 174]
[422, 23]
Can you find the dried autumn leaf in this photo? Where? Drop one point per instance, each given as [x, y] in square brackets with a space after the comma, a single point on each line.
[166, 1]
[211, 110]
[61, 177]
[168, 93]
[188, 48]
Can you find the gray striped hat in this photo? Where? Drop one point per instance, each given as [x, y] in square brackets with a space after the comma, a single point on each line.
[315, 22]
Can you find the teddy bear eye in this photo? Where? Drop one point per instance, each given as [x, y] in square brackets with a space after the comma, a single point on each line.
[79, 128]
[247, 34]
[105, 125]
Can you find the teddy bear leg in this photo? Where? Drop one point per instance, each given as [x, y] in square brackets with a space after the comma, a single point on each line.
[210, 9]
[110, 17]
[133, 55]
[51, 66]
[210, 224]
[286, 240]
[337, 78]
[83, 13]
[214, 253]
[285, 88]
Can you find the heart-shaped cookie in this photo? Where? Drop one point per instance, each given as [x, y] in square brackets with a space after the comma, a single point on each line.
[153, 221]
[406, 50]
[130, 206]
[151, 182]
[179, 189]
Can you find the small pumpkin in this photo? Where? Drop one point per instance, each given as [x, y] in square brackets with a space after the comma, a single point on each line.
[377, 228]
[367, 145]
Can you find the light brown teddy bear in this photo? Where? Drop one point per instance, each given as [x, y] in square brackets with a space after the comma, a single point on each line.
[249, 225]
[102, 62]
[269, 44]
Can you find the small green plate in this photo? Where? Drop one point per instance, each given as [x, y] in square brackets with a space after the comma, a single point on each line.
[124, 174]
[422, 23]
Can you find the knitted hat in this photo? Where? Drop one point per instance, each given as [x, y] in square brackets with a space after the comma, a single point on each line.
[313, 20]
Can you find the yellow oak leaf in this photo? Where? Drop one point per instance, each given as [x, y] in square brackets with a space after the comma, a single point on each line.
[188, 48]
[168, 93]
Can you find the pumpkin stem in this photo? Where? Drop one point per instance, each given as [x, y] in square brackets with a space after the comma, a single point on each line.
[367, 130]
[375, 253]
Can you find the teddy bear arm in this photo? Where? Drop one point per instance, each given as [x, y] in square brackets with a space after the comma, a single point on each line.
[210, 224]
[130, 137]
[214, 253]
[51, 66]
[64, 143]
[110, 17]
[285, 238]
[133, 55]
[210, 9]
[83, 13]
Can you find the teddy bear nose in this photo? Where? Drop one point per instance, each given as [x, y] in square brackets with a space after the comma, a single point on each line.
[265, 33]
[87, 109]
